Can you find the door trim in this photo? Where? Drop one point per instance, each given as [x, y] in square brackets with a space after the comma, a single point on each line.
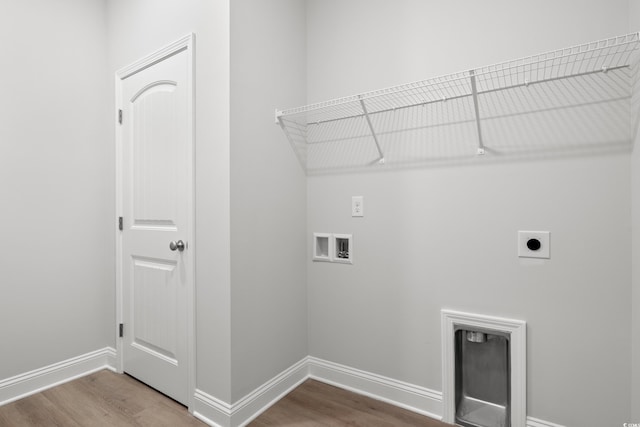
[186, 43]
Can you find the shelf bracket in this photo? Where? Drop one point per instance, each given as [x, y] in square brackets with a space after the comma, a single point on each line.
[474, 93]
[373, 132]
[280, 122]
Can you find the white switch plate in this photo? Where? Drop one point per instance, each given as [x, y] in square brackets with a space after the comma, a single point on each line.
[357, 206]
[542, 252]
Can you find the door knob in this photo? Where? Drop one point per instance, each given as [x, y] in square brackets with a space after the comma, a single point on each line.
[179, 245]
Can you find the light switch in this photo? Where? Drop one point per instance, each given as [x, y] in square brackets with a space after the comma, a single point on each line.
[357, 206]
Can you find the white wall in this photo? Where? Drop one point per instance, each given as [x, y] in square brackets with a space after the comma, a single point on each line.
[360, 45]
[634, 25]
[57, 194]
[137, 28]
[635, 329]
[268, 193]
[445, 237]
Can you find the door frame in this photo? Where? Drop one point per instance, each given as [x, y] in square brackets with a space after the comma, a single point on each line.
[186, 43]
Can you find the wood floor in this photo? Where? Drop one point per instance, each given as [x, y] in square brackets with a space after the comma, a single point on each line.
[318, 404]
[108, 399]
[98, 400]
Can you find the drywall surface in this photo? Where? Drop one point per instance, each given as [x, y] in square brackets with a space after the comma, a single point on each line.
[136, 29]
[268, 193]
[371, 44]
[446, 236]
[57, 195]
[635, 301]
[634, 15]
[634, 25]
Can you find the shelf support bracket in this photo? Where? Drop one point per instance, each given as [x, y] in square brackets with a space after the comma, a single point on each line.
[373, 132]
[280, 122]
[474, 93]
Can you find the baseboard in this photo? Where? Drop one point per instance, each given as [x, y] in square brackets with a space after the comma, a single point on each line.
[217, 413]
[248, 408]
[211, 410]
[35, 381]
[398, 393]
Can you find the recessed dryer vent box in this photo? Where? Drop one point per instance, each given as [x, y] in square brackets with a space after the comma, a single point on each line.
[322, 247]
[534, 244]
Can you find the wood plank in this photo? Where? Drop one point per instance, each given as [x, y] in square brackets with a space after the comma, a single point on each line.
[315, 403]
[84, 403]
[103, 399]
[36, 410]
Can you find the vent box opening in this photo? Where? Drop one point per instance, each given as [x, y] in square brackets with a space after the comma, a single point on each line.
[484, 370]
[482, 379]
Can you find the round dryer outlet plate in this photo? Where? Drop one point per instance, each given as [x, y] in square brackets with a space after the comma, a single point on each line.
[534, 244]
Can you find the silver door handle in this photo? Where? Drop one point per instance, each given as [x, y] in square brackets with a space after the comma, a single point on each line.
[179, 245]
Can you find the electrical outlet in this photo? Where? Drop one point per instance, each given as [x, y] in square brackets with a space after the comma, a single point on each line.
[357, 206]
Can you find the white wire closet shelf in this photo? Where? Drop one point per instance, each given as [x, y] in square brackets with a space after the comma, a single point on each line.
[577, 98]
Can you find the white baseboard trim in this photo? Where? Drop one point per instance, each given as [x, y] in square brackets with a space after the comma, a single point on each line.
[249, 407]
[404, 395]
[398, 393]
[217, 413]
[210, 410]
[38, 380]
[534, 422]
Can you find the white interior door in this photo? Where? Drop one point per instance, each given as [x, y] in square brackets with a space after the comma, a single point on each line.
[156, 189]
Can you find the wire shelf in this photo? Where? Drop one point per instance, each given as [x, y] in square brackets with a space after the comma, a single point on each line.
[461, 114]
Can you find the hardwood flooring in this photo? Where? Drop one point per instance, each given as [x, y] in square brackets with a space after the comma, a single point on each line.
[103, 399]
[107, 399]
[318, 404]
